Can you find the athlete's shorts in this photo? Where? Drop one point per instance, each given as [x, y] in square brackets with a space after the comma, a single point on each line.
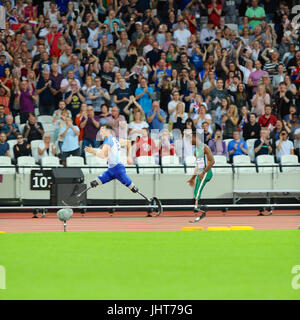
[117, 172]
[199, 185]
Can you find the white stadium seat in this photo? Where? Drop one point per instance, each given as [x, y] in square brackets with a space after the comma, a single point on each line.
[289, 159]
[94, 161]
[171, 161]
[242, 164]
[45, 119]
[34, 148]
[266, 160]
[26, 161]
[6, 162]
[74, 161]
[221, 161]
[148, 162]
[11, 147]
[50, 161]
[250, 145]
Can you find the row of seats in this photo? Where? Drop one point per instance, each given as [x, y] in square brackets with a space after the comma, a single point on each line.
[169, 164]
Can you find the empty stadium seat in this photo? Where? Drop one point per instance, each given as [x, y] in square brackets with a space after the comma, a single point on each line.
[45, 119]
[49, 128]
[221, 165]
[11, 147]
[171, 161]
[74, 161]
[240, 161]
[17, 120]
[232, 26]
[94, 161]
[26, 161]
[266, 160]
[149, 163]
[289, 159]
[190, 161]
[50, 161]
[250, 145]
[34, 148]
[6, 162]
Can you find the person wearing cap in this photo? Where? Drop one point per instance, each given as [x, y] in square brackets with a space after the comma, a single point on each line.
[207, 34]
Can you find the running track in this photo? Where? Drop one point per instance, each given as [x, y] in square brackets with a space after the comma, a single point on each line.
[137, 221]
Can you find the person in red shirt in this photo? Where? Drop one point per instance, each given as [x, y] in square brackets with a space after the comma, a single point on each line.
[144, 145]
[214, 10]
[190, 21]
[267, 120]
[166, 144]
[52, 38]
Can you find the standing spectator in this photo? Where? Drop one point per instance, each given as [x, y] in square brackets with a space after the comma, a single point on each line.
[76, 68]
[117, 121]
[156, 117]
[214, 10]
[26, 100]
[230, 122]
[90, 125]
[79, 116]
[283, 100]
[2, 117]
[122, 95]
[98, 95]
[135, 127]
[10, 129]
[46, 148]
[207, 34]
[56, 79]
[4, 97]
[46, 90]
[251, 130]
[255, 77]
[217, 145]
[4, 146]
[283, 145]
[267, 120]
[202, 116]
[215, 96]
[262, 146]
[144, 95]
[179, 117]
[260, 100]
[237, 146]
[230, 10]
[21, 148]
[70, 146]
[182, 35]
[74, 99]
[255, 14]
[33, 130]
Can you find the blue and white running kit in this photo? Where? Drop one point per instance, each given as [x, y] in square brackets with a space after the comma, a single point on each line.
[116, 169]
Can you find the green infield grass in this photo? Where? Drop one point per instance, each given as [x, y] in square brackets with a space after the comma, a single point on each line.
[150, 265]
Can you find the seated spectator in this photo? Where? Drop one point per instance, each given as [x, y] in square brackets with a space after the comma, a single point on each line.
[104, 114]
[90, 125]
[166, 144]
[144, 95]
[230, 122]
[260, 100]
[283, 100]
[117, 121]
[27, 98]
[215, 96]
[144, 145]
[262, 146]
[46, 148]
[217, 145]
[202, 116]
[98, 95]
[11, 129]
[237, 146]
[21, 148]
[288, 118]
[243, 118]
[136, 126]
[60, 123]
[220, 112]
[267, 120]
[69, 135]
[179, 117]
[4, 146]
[122, 95]
[251, 130]
[33, 130]
[156, 117]
[283, 145]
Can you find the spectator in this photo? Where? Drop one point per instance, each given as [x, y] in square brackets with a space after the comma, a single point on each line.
[283, 145]
[243, 118]
[260, 100]
[267, 120]
[156, 117]
[256, 76]
[289, 117]
[69, 135]
[46, 90]
[4, 146]
[21, 148]
[136, 126]
[179, 117]
[122, 95]
[296, 138]
[237, 146]
[144, 146]
[206, 134]
[98, 95]
[46, 148]
[255, 14]
[207, 34]
[33, 130]
[144, 95]
[166, 144]
[10, 129]
[26, 100]
[262, 146]
[214, 10]
[215, 96]
[230, 122]
[117, 121]
[74, 99]
[2, 116]
[4, 97]
[217, 145]
[132, 107]
[182, 35]
[90, 125]
[251, 130]
[283, 100]
[104, 114]
[202, 116]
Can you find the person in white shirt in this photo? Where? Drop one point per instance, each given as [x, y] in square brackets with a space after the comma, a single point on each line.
[283, 145]
[135, 128]
[207, 34]
[173, 103]
[46, 148]
[182, 35]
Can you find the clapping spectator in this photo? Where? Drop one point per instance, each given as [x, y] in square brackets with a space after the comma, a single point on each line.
[284, 146]
[237, 146]
[46, 148]
[260, 100]
[230, 122]
[156, 117]
[251, 130]
[33, 130]
[117, 121]
[26, 99]
[74, 99]
[21, 148]
[4, 146]
[217, 145]
[11, 129]
[262, 146]
[267, 120]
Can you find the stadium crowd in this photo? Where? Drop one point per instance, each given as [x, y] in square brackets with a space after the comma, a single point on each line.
[156, 71]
